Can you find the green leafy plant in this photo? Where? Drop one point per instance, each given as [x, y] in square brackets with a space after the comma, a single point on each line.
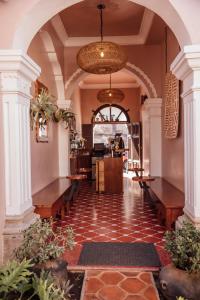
[184, 247]
[42, 242]
[18, 282]
[45, 288]
[15, 277]
[42, 109]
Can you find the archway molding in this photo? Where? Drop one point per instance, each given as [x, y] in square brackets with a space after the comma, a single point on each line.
[141, 77]
[42, 11]
[55, 65]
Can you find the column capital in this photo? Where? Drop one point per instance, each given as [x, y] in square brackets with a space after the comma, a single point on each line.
[64, 103]
[153, 102]
[17, 71]
[153, 105]
[18, 61]
[187, 60]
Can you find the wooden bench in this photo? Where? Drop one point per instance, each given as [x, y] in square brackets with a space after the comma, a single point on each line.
[50, 201]
[169, 201]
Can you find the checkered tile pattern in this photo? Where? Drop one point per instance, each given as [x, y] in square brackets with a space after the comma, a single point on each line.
[114, 218]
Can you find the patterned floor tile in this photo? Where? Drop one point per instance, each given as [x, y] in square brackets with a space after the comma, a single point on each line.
[119, 285]
[117, 218]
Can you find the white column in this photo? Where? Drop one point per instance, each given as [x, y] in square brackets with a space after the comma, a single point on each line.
[17, 71]
[152, 136]
[186, 67]
[63, 143]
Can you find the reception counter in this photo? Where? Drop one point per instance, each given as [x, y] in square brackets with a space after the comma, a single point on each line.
[109, 175]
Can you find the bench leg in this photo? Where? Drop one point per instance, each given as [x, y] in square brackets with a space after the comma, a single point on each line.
[62, 212]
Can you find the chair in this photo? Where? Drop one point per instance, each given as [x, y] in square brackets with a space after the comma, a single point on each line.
[86, 171]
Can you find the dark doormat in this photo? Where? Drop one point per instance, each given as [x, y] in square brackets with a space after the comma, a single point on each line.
[119, 254]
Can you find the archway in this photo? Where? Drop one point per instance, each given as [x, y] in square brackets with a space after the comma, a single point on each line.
[32, 20]
[142, 78]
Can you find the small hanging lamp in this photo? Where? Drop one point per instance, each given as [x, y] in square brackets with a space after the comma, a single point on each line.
[101, 57]
[110, 95]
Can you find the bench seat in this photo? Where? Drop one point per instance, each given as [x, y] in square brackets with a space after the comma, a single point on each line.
[169, 201]
[49, 202]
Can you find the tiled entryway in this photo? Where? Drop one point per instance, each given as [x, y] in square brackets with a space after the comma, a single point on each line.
[119, 285]
[113, 218]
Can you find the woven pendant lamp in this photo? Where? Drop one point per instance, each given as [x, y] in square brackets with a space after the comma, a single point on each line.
[110, 95]
[102, 57]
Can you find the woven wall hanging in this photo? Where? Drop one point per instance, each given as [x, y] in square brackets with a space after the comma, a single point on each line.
[171, 98]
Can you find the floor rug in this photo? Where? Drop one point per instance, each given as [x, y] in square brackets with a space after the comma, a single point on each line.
[119, 254]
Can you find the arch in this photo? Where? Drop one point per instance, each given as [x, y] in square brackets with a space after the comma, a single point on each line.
[95, 113]
[56, 68]
[39, 12]
[140, 76]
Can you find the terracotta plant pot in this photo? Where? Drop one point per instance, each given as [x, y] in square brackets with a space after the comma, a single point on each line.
[176, 282]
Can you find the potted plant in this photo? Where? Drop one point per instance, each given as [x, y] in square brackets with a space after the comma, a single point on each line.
[17, 281]
[42, 108]
[182, 277]
[44, 244]
[66, 116]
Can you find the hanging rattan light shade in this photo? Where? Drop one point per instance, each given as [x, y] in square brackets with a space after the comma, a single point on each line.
[102, 57]
[110, 96]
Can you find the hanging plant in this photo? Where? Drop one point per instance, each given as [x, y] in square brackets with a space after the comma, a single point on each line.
[65, 116]
[42, 109]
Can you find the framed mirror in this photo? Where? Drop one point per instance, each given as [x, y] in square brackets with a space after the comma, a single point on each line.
[41, 128]
[42, 133]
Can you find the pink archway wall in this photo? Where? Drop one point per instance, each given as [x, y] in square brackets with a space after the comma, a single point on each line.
[142, 79]
[23, 19]
[19, 23]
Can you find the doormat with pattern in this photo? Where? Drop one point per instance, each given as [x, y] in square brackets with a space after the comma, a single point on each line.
[119, 254]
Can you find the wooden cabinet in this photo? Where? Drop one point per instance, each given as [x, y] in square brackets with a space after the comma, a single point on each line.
[109, 175]
[100, 187]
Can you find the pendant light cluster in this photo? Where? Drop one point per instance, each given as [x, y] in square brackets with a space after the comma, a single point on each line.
[110, 95]
[101, 57]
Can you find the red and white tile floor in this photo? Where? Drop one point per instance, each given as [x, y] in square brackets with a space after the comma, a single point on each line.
[113, 218]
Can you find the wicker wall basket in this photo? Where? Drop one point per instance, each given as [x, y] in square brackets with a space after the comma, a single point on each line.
[171, 100]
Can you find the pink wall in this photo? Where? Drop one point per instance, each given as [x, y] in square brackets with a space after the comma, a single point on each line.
[44, 156]
[89, 102]
[173, 149]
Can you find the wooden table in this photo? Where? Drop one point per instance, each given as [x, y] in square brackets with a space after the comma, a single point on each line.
[143, 180]
[49, 202]
[86, 171]
[137, 170]
[77, 177]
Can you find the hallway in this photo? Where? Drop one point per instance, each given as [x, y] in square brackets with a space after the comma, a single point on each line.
[113, 218]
